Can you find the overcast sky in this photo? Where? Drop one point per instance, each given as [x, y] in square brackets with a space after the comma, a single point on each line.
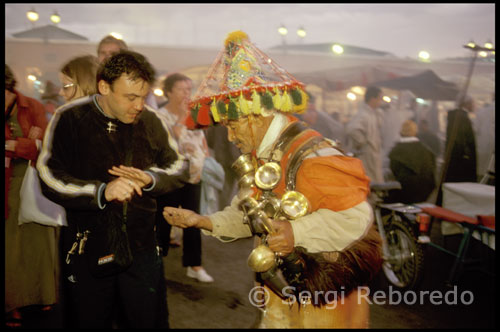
[401, 29]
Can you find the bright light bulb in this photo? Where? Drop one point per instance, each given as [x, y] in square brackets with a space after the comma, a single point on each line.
[351, 96]
[471, 44]
[357, 89]
[301, 32]
[488, 45]
[483, 54]
[424, 55]
[387, 99]
[282, 30]
[32, 15]
[55, 18]
[32, 77]
[158, 92]
[337, 49]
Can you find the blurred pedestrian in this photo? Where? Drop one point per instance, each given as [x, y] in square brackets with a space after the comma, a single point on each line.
[30, 249]
[429, 138]
[484, 125]
[413, 165]
[363, 134]
[323, 123]
[461, 143]
[78, 77]
[50, 98]
[193, 145]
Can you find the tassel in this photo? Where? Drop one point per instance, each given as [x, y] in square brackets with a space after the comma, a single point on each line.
[221, 108]
[243, 104]
[296, 96]
[190, 123]
[277, 99]
[203, 115]
[267, 100]
[213, 109]
[255, 102]
[232, 111]
[194, 111]
[286, 103]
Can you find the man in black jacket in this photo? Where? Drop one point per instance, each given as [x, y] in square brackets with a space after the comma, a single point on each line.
[413, 165]
[105, 158]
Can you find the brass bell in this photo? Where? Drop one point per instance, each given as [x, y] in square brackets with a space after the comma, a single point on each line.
[294, 205]
[268, 176]
[243, 164]
[261, 258]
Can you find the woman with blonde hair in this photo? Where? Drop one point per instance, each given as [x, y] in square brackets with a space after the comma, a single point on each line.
[78, 77]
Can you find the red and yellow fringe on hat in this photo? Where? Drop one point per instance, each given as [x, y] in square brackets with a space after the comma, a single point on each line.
[242, 81]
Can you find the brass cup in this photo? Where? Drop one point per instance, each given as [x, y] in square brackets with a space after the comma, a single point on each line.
[243, 164]
[268, 176]
[246, 182]
[261, 259]
[294, 205]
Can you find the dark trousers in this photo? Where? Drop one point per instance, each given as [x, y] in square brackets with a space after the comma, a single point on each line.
[138, 296]
[189, 198]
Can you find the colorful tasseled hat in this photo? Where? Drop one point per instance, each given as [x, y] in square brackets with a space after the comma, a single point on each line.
[242, 81]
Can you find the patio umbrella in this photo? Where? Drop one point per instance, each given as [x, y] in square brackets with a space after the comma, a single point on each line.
[425, 85]
[49, 32]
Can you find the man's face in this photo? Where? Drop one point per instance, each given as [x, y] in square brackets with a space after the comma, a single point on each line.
[180, 93]
[107, 50]
[247, 132]
[125, 101]
[240, 134]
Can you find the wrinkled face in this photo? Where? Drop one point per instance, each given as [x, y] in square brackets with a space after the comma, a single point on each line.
[125, 99]
[247, 132]
[107, 50]
[180, 93]
[69, 90]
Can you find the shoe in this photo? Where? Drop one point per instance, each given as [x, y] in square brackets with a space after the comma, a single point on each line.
[201, 274]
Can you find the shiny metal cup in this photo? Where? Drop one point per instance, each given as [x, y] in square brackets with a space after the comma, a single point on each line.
[294, 205]
[268, 176]
[243, 164]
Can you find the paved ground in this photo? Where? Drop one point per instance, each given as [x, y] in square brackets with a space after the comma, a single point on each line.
[225, 304]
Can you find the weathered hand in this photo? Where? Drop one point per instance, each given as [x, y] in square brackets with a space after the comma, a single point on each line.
[121, 189]
[137, 176]
[282, 240]
[182, 218]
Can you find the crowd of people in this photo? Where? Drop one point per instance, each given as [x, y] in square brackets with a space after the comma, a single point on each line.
[128, 170]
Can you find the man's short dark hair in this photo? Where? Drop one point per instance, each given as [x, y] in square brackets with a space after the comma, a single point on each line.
[10, 80]
[372, 92]
[171, 79]
[126, 62]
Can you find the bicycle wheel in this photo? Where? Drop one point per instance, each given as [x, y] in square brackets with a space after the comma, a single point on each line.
[405, 265]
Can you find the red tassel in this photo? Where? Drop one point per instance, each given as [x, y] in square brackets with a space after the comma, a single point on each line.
[190, 123]
[204, 115]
